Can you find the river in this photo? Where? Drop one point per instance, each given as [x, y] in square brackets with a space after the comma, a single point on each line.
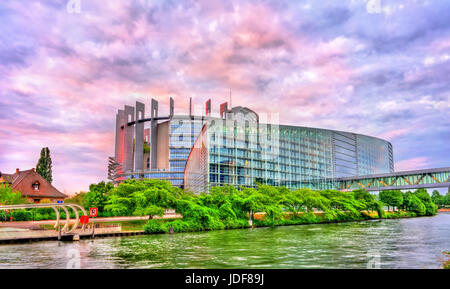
[400, 243]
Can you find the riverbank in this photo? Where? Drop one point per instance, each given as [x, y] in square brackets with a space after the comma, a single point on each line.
[123, 220]
[19, 232]
[261, 220]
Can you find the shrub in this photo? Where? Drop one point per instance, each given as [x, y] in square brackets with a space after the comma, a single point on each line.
[236, 224]
[21, 215]
[309, 218]
[155, 227]
[180, 226]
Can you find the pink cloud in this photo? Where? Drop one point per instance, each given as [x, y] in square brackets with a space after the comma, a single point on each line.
[412, 164]
[84, 67]
[393, 134]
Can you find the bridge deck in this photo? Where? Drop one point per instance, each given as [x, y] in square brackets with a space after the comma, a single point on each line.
[428, 178]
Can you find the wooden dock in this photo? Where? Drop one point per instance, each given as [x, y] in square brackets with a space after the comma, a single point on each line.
[15, 236]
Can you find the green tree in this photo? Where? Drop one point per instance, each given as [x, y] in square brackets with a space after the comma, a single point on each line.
[150, 211]
[97, 195]
[250, 201]
[393, 198]
[119, 206]
[344, 202]
[294, 202]
[447, 199]
[423, 195]
[369, 200]
[44, 165]
[413, 204]
[78, 198]
[10, 197]
[136, 197]
[270, 200]
[438, 199]
[313, 200]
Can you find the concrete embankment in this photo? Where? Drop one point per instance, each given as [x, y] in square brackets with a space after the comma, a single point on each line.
[17, 235]
[38, 224]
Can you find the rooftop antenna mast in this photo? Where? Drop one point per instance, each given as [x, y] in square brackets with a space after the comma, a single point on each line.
[231, 106]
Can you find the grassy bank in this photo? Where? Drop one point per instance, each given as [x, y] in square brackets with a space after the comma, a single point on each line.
[180, 226]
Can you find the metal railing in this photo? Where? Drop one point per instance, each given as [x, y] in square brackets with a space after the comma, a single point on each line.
[55, 206]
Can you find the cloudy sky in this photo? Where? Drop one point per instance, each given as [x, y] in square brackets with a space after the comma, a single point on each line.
[65, 70]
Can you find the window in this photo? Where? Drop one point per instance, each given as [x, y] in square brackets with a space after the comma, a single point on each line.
[36, 186]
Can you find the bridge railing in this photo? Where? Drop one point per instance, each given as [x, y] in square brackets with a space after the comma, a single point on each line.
[431, 178]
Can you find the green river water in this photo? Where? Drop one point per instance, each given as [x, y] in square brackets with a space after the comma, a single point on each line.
[401, 243]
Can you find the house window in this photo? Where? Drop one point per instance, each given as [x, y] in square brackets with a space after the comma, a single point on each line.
[36, 186]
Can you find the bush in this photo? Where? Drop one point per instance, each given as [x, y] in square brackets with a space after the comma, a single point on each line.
[183, 226]
[236, 224]
[3, 216]
[44, 211]
[104, 214]
[21, 215]
[38, 217]
[399, 214]
[309, 218]
[10, 197]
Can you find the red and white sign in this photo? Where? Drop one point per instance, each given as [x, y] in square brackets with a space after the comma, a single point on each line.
[93, 212]
[84, 219]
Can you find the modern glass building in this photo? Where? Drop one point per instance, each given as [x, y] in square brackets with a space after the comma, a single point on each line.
[165, 144]
[198, 152]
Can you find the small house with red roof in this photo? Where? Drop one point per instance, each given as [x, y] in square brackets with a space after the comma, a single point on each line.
[32, 186]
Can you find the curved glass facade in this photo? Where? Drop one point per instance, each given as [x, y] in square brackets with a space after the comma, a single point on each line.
[245, 153]
[359, 155]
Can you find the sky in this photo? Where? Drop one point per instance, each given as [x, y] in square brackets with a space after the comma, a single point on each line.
[380, 68]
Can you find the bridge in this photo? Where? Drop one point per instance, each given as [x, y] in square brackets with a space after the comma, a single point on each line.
[407, 180]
